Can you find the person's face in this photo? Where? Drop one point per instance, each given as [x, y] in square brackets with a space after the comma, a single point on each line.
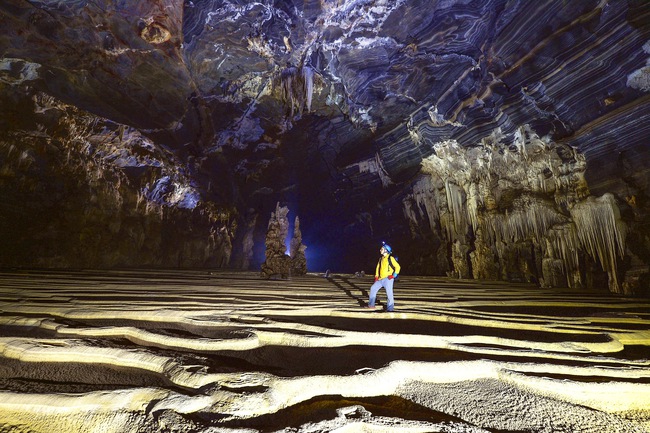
[382, 251]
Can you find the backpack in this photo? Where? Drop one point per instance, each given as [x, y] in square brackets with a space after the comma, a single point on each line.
[390, 264]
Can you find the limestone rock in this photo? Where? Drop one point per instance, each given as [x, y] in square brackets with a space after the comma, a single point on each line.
[516, 111]
[297, 251]
[277, 262]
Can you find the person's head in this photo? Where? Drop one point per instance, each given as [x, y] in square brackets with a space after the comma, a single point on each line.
[385, 249]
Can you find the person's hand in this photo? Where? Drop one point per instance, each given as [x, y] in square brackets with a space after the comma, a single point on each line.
[390, 277]
[376, 278]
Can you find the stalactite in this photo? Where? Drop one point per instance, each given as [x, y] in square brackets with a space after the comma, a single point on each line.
[423, 195]
[308, 80]
[287, 79]
[103, 204]
[456, 205]
[297, 88]
[602, 233]
[514, 195]
[139, 199]
[529, 218]
[473, 202]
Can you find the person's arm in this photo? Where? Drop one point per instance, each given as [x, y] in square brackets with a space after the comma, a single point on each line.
[377, 270]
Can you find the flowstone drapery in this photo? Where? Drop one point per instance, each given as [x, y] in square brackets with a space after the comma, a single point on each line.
[519, 212]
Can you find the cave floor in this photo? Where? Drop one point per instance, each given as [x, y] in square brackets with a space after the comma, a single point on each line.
[209, 351]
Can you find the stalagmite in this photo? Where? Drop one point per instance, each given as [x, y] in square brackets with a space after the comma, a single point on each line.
[297, 251]
[561, 255]
[484, 258]
[277, 261]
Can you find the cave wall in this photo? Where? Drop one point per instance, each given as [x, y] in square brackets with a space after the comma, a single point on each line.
[81, 191]
[576, 216]
[493, 139]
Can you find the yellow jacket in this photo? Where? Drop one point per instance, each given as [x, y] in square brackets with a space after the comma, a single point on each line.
[383, 270]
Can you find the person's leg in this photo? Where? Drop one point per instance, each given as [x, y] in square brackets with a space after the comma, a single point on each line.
[388, 285]
[373, 293]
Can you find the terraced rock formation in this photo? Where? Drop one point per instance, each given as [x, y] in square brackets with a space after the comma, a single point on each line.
[143, 351]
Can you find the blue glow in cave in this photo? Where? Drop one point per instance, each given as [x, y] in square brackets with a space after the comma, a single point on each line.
[318, 259]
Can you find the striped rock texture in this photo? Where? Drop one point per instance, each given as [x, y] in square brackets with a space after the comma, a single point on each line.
[483, 139]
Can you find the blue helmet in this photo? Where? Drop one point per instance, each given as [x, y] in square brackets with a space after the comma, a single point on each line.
[387, 247]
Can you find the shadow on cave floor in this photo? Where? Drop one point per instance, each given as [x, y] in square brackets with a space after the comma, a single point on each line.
[360, 300]
[326, 408]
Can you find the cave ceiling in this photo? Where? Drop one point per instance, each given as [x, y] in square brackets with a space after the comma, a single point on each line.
[330, 107]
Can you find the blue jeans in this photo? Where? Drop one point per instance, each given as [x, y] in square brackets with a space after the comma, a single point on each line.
[386, 284]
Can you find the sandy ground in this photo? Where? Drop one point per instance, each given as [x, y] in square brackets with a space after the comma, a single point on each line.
[196, 351]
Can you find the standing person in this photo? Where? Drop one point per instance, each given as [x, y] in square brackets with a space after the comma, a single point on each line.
[385, 274]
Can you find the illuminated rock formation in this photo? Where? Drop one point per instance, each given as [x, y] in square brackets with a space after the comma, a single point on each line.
[278, 262]
[224, 351]
[297, 251]
[520, 212]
